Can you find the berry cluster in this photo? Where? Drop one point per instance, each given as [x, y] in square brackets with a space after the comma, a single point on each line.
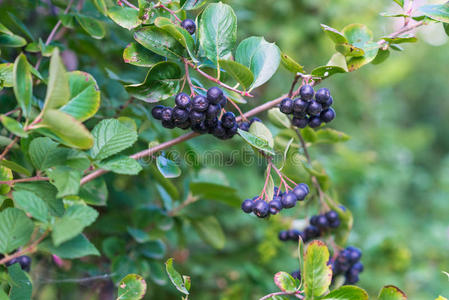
[280, 200]
[347, 263]
[309, 112]
[319, 224]
[201, 114]
[24, 261]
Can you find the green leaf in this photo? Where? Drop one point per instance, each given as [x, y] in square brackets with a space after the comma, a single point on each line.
[256, 142]
[127, 17]
[21, 287]
[191, 4]
[371, 50]
[5, 175]
[336, 36]
[401, 39]
[445, 25]
[15, 167]
[101, 6]
[317, 274]
[153, 249]
[390, 292]
[58, 92]
[347, 293]
[161, 82]
[13, 126]
[180, 34]
[94, 192]
[175, 277]
[326, 71]
[357, 34]
[23, 83]
[111, 137]
[132, 287]
[290, 64]
[74, 248]
[438, 12]
[44, 153]
[381, 56]
[121, 165]
[11, 40]
[278, 118]
[15, 229]
[239, 72]
[399, 2]
[137, 55]
[261, 57]
[261, 131]
[84, 96]
[46, 192]
[168, 168]
[32, 204]
[6, 75]
[138, 235]
[216, 192]
[75, 219]
[92, 26]
[210, 231]
[329, 135]
[70, 131]
[218, 31]
[285, 282]
[159, 41]
[65, 179]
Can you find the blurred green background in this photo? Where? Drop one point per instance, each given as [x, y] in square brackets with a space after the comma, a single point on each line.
[392, 174]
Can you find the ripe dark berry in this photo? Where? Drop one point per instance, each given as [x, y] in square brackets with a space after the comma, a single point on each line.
[327, 115]
[200, 127]
[24, 261]
[300, 122]
[183, 125]
[247, 206]
[212, 111]
[293, 234]
[180, 115]
[255, 119]
[331, 216]
[354, 254]
[343, 256]
[211, 123]
[230, 132]
[166, 114]
[276, 205]
[156, 112]
[306, 92]
[200, 103]
[223, 101]
[328, 103]
[286, 106]
[182, 100]
[358, 266]
[335, 224]
[214, 95]
[314, 108]
[296, 274]
[189, 25]
[283, 235]
[314, 122]
[244, 126]
[305, 187]
[351, 279]
[300, 193]
[197, 117]
[168, 124]
[228, 119]
[288, 200]
[322, 95]
[322, 222]
[313, 220]
[300, 105]
[219, 130]
[312, 232]
[260, 208]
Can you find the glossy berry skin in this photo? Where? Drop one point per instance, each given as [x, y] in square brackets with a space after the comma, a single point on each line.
[351, 279]
[276, 205]
[247, 206]
[288, 200]
[244, 126]
[182, 100]
[306, 92]
[327, 115]
[335, 224]
[189, 25]
[354, 254]
[196, 117]
[300, 193]
[230, 132]
[255, 119]
[228, 119]
[261, 208]
[283, 235]
[322, 222]
[300, 105]
[313, 220]
[214, 95]
[183, 125]
[293, 234]
[322, 95]
[168, 124]
[24, 261]
[156, 112]
[312, 232]
[358, 266]
[300, 122]
[212, 111]
[166, 114]
[211, 123]
[200, 128]
[180, 115]
[219, 130]
[314, 108]
[286, 106]
[305, 187]
[331, 216]
[314, 122]
[328, 103]
[200, 103]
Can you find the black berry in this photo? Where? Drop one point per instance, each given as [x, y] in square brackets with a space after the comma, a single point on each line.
[261, 208]
[327, 115]
[300, 193]
[314, 108]
[244, 126]
[322, 222]
[300, 105]
[212, 111]
[200, 127]
[283, 235]
[275, 205]
[255, 119]
[306, 92]
[182, 100]
[312, 232]
[286, 106]
[300, 122]
[168, 124]
[166, 114]
[288, 200]
[156, 112]
[214, 95]
[219, 131]
[180, 115]
[322, 95]
[328, 103]
[189, 25]
[332, 216]
[314, 122]
[247, 206]
[200, 103]
[228, 119]
[197, 117]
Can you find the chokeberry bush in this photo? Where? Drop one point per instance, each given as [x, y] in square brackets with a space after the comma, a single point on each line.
[134, 137]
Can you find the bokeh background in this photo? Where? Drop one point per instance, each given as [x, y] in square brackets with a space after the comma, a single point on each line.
[393, 173]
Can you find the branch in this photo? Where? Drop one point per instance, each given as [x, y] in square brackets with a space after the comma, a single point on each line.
[30, 249]
[403, 29]
[2, 156]
[29, 179]
[170, 11]
[129, 4]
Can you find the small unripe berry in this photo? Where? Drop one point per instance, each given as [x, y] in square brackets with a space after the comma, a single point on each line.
[156, 112]
[214, 95]
[327, 115]
[306, 92]
[189, 25]
[182, 100]
[286, 106]
[322, 95]
[247, 206]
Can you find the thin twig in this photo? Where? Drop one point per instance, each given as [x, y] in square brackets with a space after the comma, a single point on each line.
[30, 249]
[29, 179]
[292, 88]
[264, 192]
[2, 156]
[130, 4]
[170, 11]
[189, 80]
